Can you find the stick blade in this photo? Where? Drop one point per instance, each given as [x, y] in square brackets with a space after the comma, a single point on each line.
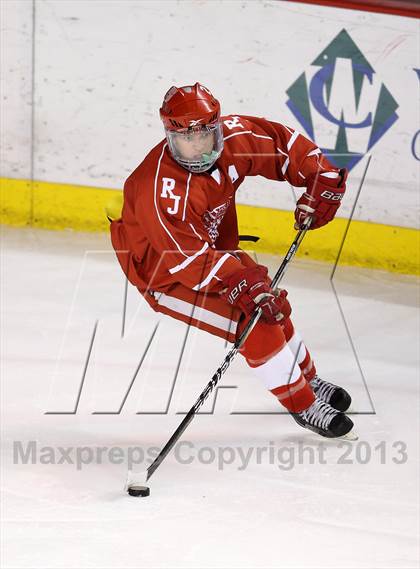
[135, 484]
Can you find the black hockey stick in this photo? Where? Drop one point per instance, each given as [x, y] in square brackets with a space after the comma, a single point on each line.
[135, 489]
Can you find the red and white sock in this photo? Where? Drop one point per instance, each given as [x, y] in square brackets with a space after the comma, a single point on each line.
[282, 375]
[299, 350]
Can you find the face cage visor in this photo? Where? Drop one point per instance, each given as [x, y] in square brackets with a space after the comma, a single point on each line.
[196, 148]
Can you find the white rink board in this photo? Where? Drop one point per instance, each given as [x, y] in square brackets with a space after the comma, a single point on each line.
[101, 69]
[15, 88]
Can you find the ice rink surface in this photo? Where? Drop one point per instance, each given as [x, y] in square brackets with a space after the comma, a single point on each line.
[303, 502]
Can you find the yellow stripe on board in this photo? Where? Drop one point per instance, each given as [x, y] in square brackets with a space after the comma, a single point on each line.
[15, 201]
[60, 206]
[54, 206]
[366, 244]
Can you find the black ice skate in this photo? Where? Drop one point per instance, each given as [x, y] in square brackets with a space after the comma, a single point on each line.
[332, 394]
[326, 421]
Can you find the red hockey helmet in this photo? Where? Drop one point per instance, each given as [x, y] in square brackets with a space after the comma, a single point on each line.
[188, 106]
[191, 117]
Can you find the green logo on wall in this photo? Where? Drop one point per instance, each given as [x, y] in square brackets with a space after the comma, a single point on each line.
[340, 103]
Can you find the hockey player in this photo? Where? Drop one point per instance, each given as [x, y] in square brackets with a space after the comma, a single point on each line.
[177, 240]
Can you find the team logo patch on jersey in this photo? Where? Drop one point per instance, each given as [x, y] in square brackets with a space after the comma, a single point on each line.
[213, 218]
[342, 95]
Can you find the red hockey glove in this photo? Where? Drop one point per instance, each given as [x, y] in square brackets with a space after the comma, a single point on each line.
[248, 288]
[322, 198]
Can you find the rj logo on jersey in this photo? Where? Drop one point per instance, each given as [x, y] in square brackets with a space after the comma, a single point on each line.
[341, 103]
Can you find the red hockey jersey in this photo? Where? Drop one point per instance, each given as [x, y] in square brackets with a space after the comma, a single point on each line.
[181, 227]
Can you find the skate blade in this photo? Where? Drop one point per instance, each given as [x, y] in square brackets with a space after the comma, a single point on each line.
[350, 436]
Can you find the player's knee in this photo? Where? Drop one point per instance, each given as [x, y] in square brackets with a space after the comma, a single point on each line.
[262, 344]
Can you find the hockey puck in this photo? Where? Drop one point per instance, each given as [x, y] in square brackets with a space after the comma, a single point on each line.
[142, 491]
